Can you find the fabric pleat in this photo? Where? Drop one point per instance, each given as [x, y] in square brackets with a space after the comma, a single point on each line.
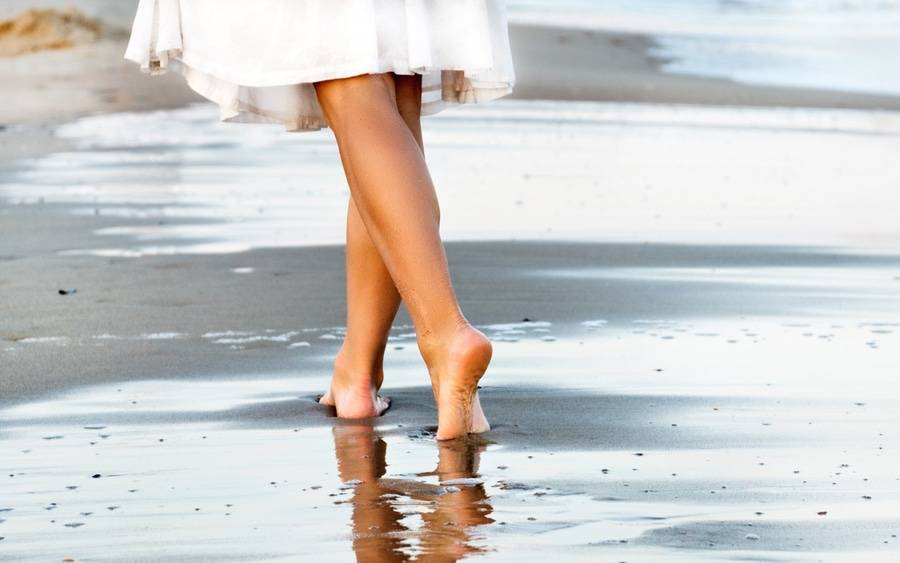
[258, 60]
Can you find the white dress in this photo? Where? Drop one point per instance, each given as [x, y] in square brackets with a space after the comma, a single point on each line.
[258, 59]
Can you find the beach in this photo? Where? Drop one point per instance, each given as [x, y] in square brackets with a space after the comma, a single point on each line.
[692, 285]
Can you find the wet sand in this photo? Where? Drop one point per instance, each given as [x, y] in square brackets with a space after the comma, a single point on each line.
[565, 64]
[708, 437]
[708, 402]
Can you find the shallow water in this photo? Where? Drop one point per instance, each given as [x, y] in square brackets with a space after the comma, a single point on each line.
[181, 182]
[828, 44]
[701, 440]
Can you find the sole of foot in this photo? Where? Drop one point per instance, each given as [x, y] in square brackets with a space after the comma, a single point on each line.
[455, 383]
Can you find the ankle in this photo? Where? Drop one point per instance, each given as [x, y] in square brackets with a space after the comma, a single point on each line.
[356, 372]
[458, 338]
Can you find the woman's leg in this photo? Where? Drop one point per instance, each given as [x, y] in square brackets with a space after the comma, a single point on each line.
[372, 303]
[372, 298]
[396, 200]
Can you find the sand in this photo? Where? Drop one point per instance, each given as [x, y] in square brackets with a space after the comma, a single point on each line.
[563, 64]
[707, 401]
[38, 30]
[695, 325]
[695, 419]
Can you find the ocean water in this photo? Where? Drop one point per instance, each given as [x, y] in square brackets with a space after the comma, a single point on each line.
[179, 181]
[846, 45]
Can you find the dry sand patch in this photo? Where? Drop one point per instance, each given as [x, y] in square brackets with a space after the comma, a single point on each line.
[48, 29]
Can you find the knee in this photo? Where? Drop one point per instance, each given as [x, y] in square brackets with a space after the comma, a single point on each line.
[342, 97]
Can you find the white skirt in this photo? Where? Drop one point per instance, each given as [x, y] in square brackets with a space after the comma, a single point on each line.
[258, 60]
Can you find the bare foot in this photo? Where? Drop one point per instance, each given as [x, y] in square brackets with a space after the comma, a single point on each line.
[455, 367]
[354, 396]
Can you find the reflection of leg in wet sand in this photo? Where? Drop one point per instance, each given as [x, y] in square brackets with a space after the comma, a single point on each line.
[378, 534]
[448, 528]
[378, 503]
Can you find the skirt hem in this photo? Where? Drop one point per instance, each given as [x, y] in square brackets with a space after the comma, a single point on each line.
[233, 110]
[461, 52]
